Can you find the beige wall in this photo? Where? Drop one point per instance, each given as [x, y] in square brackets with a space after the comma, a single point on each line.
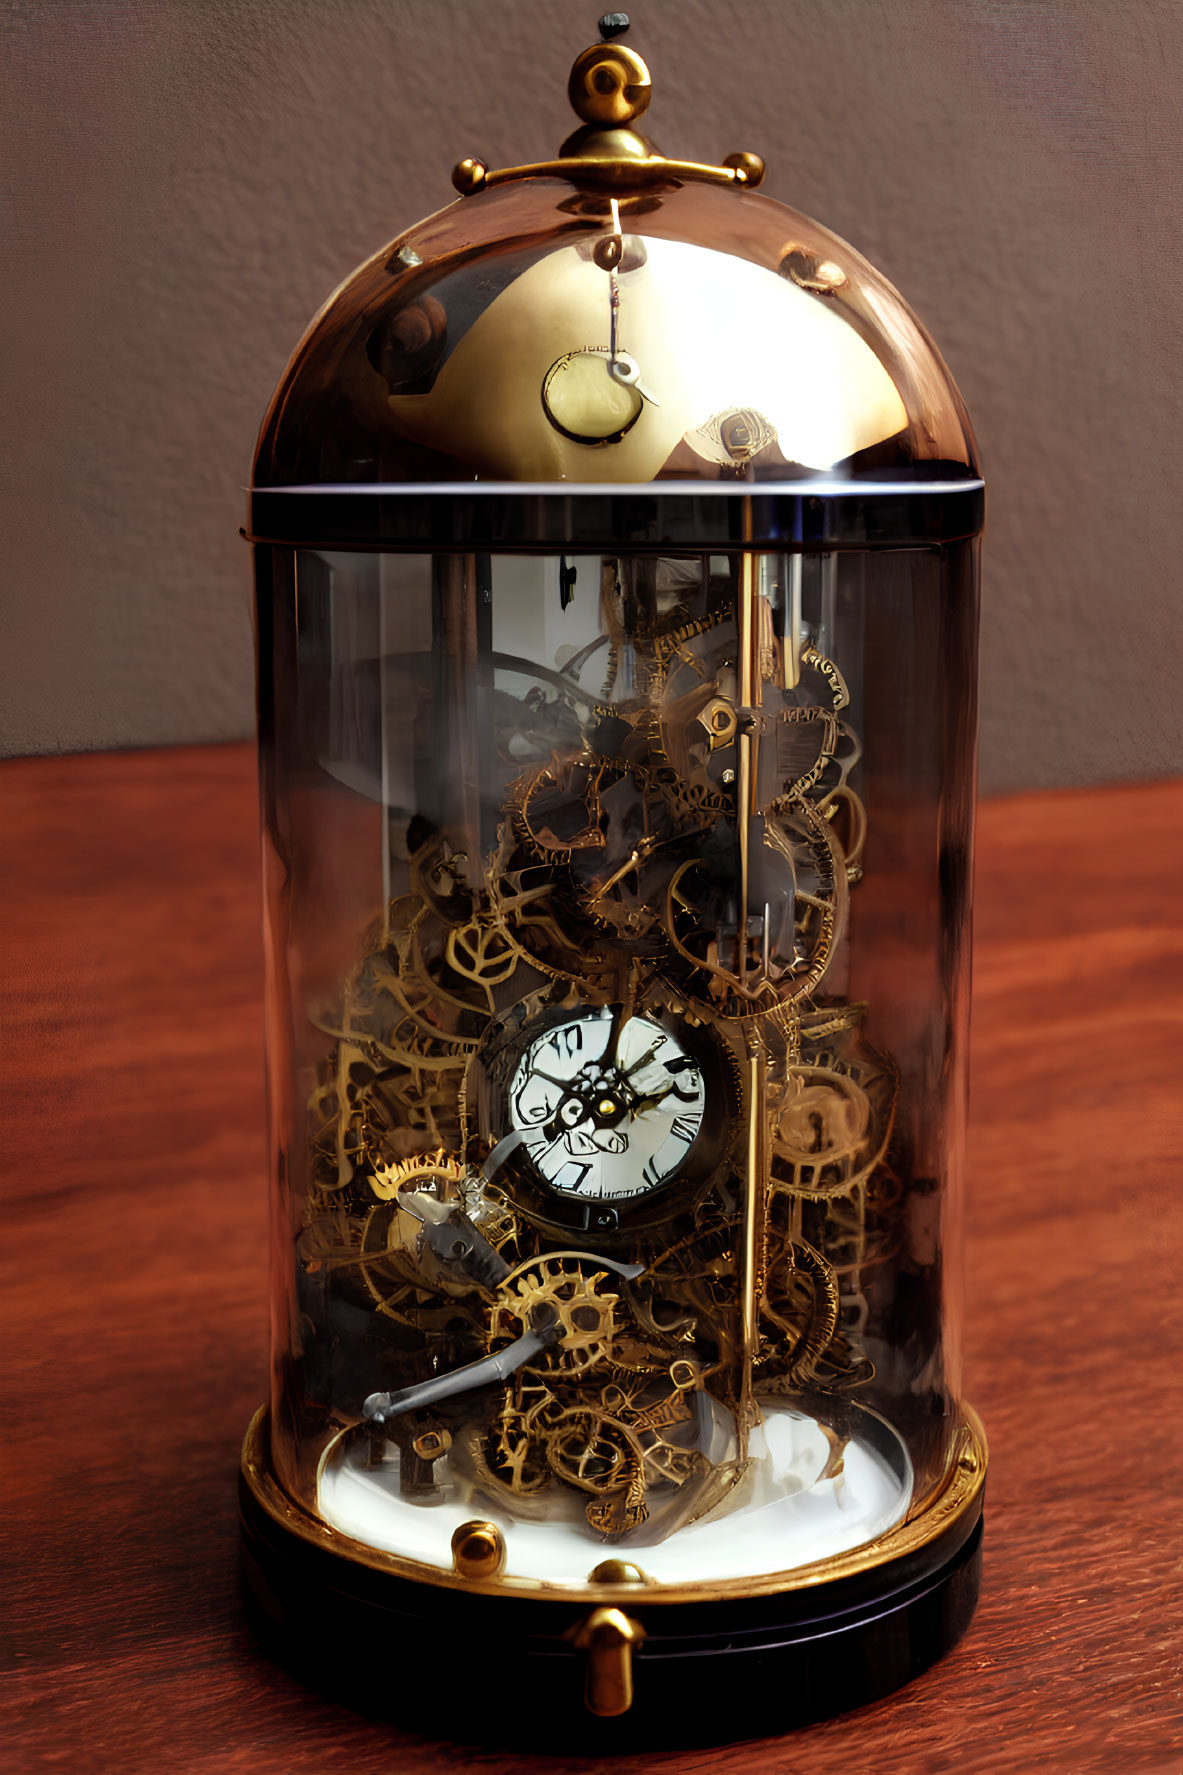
[185, 182]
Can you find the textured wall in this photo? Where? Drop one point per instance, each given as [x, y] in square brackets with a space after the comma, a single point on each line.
[184, 183]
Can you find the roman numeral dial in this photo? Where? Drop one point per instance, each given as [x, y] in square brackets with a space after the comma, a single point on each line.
[608, 1107]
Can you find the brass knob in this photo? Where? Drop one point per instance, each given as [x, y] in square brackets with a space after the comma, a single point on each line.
[608, 1637]
[478, 1550]
[468, 175]
[609, 85]
[617, 1571]
[747, 167]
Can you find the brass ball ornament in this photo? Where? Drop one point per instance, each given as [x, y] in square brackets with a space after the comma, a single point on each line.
[609, 86]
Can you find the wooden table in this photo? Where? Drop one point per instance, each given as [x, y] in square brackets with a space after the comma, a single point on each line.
[134, 1320]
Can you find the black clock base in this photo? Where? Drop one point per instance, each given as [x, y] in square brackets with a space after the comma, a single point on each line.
[500, 1669]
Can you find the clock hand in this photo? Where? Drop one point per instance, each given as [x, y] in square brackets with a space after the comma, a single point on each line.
[640, 1105]
[611, 1046]
[639, 1065]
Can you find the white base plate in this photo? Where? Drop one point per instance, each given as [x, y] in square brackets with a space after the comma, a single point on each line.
[781, 1514]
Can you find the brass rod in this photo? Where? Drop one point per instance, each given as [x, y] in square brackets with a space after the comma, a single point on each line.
[791, 643]
[472, 175]
[753, 1243]
[749, 690]
[746, 739]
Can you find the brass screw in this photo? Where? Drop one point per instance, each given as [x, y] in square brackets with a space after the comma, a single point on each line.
[478, 1550]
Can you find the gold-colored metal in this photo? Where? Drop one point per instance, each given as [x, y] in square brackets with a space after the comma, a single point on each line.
[638, 1385]
[432, 1444]
[695, 322]
[609, 88]
[609, 1402]
[748, 168]
[745, 748]
[825, 277]
[609, 85]
[755, 1192]
[618, 1571]
[619, 355]
[584, 403]
[478, 1550]
[469, 175]
[608, 1636]
[956, 1495]
[614, 166]
[858, 372]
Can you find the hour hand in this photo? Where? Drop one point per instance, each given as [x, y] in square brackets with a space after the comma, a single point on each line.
[624, 368]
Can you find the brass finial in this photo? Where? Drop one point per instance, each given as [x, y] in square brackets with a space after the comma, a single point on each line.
[609, 86]
[609, 90]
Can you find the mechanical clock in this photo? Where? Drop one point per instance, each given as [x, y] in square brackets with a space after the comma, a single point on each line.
[597, 1119]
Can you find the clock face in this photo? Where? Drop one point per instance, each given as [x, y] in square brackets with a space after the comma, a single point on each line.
[608, 1108]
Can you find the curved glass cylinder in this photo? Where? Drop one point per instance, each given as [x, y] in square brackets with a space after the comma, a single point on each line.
[618, 914]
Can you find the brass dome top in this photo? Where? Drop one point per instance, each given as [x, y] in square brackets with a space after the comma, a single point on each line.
[614, 317]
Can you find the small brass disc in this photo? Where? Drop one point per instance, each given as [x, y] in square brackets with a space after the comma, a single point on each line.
[585, 403]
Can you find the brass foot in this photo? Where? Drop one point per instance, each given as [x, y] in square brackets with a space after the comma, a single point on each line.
[608, 1637]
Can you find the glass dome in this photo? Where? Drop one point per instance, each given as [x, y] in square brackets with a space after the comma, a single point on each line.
[746, 339]
[615, 539]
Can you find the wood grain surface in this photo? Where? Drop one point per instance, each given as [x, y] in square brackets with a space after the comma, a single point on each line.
[134, 1319]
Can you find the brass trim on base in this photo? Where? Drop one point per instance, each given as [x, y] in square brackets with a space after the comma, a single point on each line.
[955, 1497]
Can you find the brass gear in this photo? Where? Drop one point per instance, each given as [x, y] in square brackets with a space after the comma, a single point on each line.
[547, 1296]
[439, 1167]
